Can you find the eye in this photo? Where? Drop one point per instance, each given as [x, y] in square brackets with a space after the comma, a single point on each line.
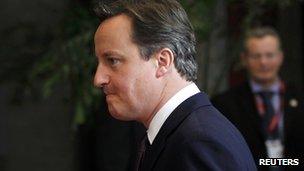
[254, 56]
[113, 61]
[270, 55]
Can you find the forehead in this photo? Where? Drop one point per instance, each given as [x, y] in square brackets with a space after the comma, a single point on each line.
[113, 29]
[266, 42]
[114, 36]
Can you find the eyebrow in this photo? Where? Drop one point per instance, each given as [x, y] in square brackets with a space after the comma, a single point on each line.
[109, 53]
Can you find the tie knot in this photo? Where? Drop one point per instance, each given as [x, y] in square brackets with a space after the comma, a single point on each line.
[266, 94]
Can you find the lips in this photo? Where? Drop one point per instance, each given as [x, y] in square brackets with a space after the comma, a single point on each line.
[107, 91]
[265, 70]
[108, 97]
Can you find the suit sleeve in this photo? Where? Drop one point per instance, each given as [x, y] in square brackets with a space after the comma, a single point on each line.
[206, 155]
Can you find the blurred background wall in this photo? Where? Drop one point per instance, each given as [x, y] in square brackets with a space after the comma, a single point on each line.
[51, 118]
[35, 134]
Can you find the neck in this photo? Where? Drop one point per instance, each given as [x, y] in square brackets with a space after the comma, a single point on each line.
[168, 91]
[266, 84]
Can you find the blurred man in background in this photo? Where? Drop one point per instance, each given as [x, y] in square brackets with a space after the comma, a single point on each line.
[267, 111]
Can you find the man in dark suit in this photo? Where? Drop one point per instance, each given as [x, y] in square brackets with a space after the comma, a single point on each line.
[267, 111]
[146, 68]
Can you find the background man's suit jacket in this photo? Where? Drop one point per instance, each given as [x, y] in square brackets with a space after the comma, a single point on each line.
[239, 106]
[197, 137]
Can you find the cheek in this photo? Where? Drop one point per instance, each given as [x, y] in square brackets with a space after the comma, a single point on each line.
[126, 87]
[143, 86]
[135, 87]
[253, 67]
[277, 65]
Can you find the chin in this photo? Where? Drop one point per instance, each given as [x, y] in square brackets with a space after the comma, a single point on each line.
[109, 98]
[118, 115]
[265, 80]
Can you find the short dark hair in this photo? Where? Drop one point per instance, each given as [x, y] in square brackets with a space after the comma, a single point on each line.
[260, 32]
[158, 24]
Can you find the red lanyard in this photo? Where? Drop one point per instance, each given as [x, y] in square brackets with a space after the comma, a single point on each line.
[278, 113]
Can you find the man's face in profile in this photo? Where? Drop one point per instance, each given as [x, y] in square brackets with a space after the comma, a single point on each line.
[128, 81]
[263, 59]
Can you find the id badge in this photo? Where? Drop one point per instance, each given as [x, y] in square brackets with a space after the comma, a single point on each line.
[274, 148]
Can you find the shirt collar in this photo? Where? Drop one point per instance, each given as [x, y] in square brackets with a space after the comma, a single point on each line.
[165, 111]
[256, 87]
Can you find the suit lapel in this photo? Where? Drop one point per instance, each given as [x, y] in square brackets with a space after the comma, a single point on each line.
[291, 110]
[170, 125]
[248, 104]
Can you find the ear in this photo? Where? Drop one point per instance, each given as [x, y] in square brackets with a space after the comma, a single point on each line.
[164, 62]
[281, 57]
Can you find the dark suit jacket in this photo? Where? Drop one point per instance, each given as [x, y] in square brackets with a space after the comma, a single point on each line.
[197, 137]
[238, 105]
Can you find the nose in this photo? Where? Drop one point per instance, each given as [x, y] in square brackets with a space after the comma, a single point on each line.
[263, 59]
[101, 77]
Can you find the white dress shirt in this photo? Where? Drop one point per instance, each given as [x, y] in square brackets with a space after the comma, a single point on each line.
[164, 112]
[275, 148]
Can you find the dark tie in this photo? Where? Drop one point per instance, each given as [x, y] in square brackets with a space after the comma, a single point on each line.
[268, 116]
[141, 152]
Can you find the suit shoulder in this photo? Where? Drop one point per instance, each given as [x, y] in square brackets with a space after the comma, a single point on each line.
[208, 136]
[209, 124]
[294, 90]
